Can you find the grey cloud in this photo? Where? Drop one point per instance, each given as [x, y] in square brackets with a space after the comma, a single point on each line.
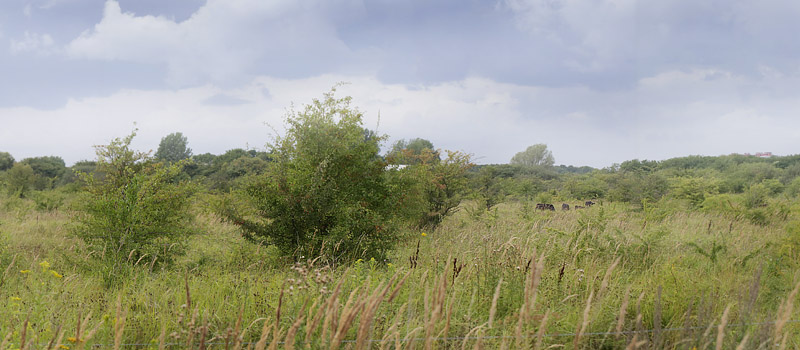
[224, 100]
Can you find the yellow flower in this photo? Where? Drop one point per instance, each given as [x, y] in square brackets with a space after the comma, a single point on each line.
[55, 274]
[424, 234]
[389, 265]
[62, 346]
[24, 271]
[45, 265]
[372, 260]
[72, 340]
[15, 298]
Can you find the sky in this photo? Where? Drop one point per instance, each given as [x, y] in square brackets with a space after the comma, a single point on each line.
[599, 82]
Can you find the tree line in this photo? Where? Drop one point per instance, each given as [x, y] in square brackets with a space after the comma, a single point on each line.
[325, 189]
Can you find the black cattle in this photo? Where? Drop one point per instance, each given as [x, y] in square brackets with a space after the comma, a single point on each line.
[545, 206]
[565, 206]
[589, 203]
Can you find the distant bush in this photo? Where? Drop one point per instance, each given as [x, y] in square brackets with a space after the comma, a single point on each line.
[694, 189]
[133, 208]
[49, 200]
[20, 180]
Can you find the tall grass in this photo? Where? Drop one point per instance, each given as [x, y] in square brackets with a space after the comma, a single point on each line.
[604, 277]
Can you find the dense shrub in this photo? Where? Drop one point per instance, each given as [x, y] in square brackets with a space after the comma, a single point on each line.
[133, 207]
[326, 192]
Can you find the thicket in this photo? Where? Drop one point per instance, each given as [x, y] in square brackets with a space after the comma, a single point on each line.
[133, 208]
[325, 192]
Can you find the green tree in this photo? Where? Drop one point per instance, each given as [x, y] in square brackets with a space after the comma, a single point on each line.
[6, 161]
[133, 206]
[173, 148]
[50, 166]
[20, 179]
[536, 155]
[325, 193]
[408, 152]
[442, 184]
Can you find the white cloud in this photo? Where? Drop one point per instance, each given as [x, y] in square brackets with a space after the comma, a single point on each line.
[223, 41]
[42, 44]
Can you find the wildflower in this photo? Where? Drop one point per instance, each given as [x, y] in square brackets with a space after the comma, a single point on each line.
[24, 271]
[15, 299]
[56, 274]
[389, 265]
[424, 234]
[45, 265]
[72, 340]
[372, 260]
[62, 346]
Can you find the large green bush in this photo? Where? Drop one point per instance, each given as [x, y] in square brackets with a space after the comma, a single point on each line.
[326, 191]
[134, 208]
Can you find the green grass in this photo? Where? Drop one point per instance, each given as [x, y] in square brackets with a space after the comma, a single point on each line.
[702, 263]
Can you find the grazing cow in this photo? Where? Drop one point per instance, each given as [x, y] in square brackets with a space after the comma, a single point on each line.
[565, 206]
[545, 206]
[578, 207]
[589, 203]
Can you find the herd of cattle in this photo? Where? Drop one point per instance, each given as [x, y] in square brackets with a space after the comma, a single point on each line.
[565, 206]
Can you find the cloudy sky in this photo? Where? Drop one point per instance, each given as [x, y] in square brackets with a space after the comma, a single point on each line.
[598, 81]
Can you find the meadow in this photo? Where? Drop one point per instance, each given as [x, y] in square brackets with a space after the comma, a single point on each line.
[661, 276]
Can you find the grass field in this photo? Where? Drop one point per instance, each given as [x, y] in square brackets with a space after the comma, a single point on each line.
[603, 277]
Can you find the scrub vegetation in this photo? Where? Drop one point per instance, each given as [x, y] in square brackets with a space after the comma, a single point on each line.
[321, 241]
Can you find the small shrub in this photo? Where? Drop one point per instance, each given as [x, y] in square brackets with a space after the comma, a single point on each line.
[48, 200]
[135, 209]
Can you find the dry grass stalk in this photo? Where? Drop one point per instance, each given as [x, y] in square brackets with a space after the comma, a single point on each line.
[13, 260]
[585, 322]
[531, 291]
[82, 342]
[604, 284]
[6, 340]
[393, 330]
[743, 344]
[504, 344]
[163, 336]
[22, 344]
[237, 343]
[188, 295]
[56, 340]
[437, 308]
[203, 333]
[657, 319]
[292, 332]
[721, 327]
[327, 310]
[784, 313]
[265, 331]
[119, 326]
[495, 298]
[349, 312]
[365, 323]
[409, 337]
[190, 339]
[275, 336]
[623, 309]
[471, 332]
[277, 328]
[541, 330]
